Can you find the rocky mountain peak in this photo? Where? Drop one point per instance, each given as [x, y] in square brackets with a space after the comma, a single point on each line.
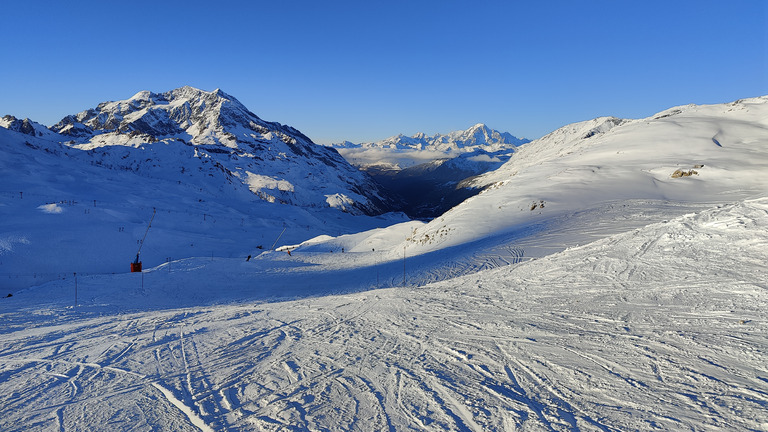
[212, 133]
[187, 113]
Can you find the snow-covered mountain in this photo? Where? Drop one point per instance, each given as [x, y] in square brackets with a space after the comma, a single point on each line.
[27, 127]
[400, 151]
[477, 136]
[79, 197]
[276, 162]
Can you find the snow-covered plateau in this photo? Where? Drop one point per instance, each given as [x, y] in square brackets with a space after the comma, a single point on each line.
[611, 276]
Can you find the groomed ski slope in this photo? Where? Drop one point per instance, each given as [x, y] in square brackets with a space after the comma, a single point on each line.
[588, 288]
[657, 327]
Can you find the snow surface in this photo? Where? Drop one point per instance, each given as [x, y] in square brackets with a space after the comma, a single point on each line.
[584, 289]
[661, 327]
[584, 164]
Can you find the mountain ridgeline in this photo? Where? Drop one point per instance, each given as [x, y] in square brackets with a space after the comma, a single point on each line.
[211, 141]
[275, 162]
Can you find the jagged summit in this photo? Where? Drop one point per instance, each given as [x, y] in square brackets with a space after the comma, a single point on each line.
[195, 115]
[25, 126]
[182, 128]
[478, 135]
[402, 151]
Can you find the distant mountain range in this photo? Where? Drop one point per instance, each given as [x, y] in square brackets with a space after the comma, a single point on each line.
[400, 151]
[427, 172]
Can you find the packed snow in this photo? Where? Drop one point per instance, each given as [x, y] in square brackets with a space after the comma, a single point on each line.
[586, 288]
[660, 327]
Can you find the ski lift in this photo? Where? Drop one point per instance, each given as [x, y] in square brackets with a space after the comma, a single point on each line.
[136, 265]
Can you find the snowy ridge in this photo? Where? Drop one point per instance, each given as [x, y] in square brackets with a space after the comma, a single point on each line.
[26, 126]
[476, 136]
[401, 151]
[233, 138]
[720, 149]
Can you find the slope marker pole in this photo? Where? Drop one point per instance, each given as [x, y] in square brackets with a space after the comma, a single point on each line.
[404, 265]
[278, 239]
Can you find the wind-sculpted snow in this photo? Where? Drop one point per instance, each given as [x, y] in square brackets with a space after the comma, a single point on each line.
[658, 327]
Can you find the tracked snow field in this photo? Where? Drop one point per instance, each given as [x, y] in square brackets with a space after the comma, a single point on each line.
[661, 327]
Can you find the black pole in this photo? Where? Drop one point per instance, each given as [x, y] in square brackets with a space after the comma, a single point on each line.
[376, 264]
[403, 265]
[75, 289]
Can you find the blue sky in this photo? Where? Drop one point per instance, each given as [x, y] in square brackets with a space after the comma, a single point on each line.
[366, 70]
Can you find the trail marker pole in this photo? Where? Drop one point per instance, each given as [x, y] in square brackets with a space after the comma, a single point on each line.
[75, 289]
[403, 265]
[377, 268]
[278, 239]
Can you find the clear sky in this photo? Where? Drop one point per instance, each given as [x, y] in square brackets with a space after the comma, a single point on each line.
[365, 70]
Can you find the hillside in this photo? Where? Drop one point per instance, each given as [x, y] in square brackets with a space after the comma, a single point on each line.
[700, 155]
[610, 276]
[78, 197]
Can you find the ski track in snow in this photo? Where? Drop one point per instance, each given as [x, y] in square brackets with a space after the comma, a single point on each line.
[661, 326]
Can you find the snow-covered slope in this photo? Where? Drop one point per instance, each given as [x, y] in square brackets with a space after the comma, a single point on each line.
[401, 151]
[694, 154]
[222, 181]
[662, 327]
